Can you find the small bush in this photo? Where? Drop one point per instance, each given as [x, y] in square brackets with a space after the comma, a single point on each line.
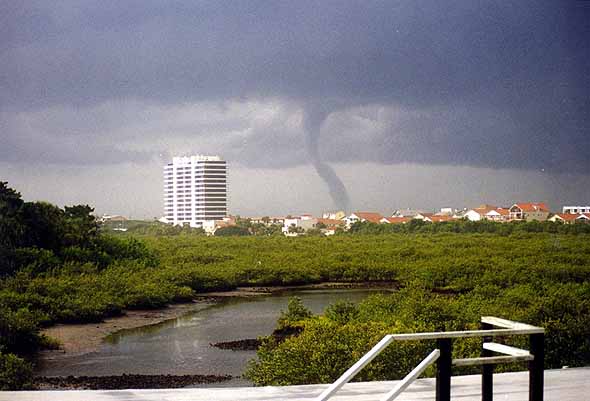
[15, 373]
[295, 312]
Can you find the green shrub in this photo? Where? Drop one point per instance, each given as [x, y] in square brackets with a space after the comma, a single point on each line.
[295, 313]
[15, 373]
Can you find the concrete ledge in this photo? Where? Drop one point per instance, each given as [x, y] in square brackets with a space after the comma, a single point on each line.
[562, 385]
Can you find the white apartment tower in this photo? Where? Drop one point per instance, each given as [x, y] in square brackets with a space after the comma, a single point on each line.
[195, 190]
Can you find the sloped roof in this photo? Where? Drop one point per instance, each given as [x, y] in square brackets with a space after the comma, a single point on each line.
[532, 207]
[330, 222]
[369, 216]
[397, 220]
[500, 210]
[566, 216]
[438, 219]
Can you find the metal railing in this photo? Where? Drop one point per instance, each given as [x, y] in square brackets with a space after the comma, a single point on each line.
[444, 361]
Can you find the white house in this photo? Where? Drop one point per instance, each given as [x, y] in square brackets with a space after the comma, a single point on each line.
[570, 218]
[576, 209]
[362, 216]
[303, 223]
[487, 212]
[529, 211]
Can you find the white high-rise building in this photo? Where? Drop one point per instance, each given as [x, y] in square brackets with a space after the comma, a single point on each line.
[195, 190]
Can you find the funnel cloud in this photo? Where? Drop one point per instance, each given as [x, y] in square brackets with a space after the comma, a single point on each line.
[312, 124]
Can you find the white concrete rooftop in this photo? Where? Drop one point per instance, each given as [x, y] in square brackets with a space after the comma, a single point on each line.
[560, 385]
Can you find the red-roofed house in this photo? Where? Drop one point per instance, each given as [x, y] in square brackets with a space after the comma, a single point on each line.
[569, 218]
[330, 225]
[564, 218]
[424, 216]
[488, 212]
[529, 211]
[363, 216]
[439, 219]
[395, 220]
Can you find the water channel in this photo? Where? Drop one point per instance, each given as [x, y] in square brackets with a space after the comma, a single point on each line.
[183, 345]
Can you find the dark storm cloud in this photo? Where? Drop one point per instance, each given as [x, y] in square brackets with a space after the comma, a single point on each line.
[495, 84]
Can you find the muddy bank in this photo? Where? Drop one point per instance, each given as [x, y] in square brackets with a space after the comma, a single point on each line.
[264, 290]
[249, 344]
[252, 344]
[77, 339]
[125, 381]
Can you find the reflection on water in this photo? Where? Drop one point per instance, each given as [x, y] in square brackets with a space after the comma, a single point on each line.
[182, 346]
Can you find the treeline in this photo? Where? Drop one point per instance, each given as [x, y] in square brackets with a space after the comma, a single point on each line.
[41, 245]
[37, 237]
[151, 228]
[468, 227]
[242, 227]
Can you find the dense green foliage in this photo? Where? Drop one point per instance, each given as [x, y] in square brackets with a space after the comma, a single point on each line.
[469, 227]
[15, 373]
[328, 345]
[232, 231]
[57, 265]
[295, 313]
[51, 261]
[143, 227]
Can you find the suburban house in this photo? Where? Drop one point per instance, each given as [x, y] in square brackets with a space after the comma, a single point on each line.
[395, 220]
[438, 218]
[267, 220]
[424, 216]
[576, 209]
[362, 216]
[529, 211]
[210, 226]
[446, 211]
[329, 226]
[298, 224]
[111, 217]
[339, 215]
[569, 218]
[406, 213]
[488, 212]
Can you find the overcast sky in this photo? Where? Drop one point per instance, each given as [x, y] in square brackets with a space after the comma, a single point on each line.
[395, 104]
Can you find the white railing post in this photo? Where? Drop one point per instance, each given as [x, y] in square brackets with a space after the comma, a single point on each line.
[413, 375]
[354, 369]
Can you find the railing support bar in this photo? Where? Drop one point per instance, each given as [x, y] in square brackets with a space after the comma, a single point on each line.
[354, 369]
[536, 367]
[413, 375]
[443, 370]
[487, 371]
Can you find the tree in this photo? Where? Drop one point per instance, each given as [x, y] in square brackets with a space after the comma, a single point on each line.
[81, 225]
[44, 224]
[231, 231]
[293, 229]
[295, 312]
[314, 232]
[11, 227]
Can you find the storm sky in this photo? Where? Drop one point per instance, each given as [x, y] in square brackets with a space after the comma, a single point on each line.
[371, 105]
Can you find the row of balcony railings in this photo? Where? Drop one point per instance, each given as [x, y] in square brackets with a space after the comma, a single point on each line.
[491, 328]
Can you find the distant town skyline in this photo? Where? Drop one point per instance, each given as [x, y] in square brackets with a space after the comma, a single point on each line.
[315, 105]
